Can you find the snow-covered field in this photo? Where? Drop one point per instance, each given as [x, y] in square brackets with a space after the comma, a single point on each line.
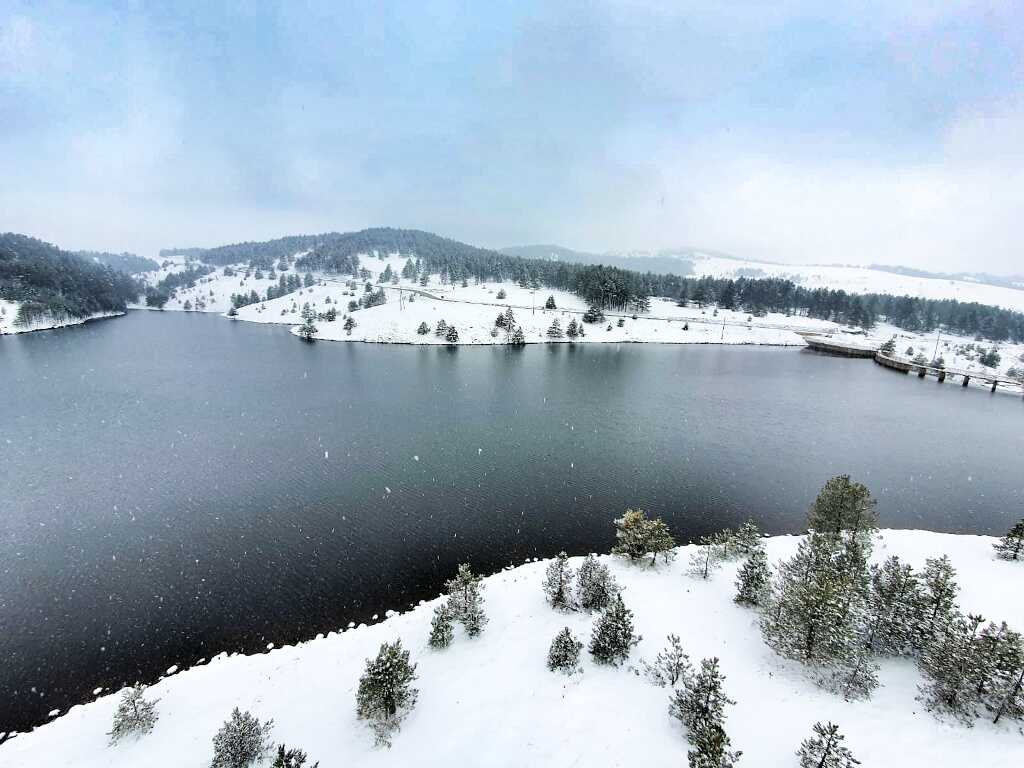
[862, 280]
[491, 701]
[9, 312]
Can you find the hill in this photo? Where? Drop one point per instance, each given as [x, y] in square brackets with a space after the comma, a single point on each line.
[47, 286]
[123, 262]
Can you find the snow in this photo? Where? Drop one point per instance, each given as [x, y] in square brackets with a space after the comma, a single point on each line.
[862, 280]
[491, 701]
[9, 312]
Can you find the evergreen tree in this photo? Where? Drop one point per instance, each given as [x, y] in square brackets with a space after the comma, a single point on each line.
[441, 629]
[637, 536]
[550, 303]
[291, 758]
[232, 312]
[706, 559]
[753, 580]
[894, 604]
[517, 339]
[134, 715]
[308, 331]
[613, 635]
[466, 601]
[558, 583]
[423, 329]
[950, 666]
[1011, 546]
[451, 335]
[825, 749]
[595, 586]
[241, 741]
[442, 328]
[385, 692]
[572, 330]
[1001, 682]
[350, 323]
[671, 667]
[711, 748]
[702, 703]
[501, 294]
[564, 654]
[747, 538]
[843, 507]
[937, 609]
[555, 331]
[854, 676]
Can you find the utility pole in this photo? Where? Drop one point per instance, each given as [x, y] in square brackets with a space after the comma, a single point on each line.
[935, 355]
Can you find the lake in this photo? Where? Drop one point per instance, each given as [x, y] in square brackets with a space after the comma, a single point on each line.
[175, 485]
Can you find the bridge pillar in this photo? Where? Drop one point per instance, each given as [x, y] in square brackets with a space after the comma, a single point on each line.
[995, 383]
[921, 372]
[967, 380]
[942, 376]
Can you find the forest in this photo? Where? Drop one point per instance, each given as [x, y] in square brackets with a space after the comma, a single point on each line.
[124, 262]
[49, 282]
[610, 287]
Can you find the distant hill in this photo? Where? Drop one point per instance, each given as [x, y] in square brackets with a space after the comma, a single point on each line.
[125, 262]
[49, 282]
[665, 262]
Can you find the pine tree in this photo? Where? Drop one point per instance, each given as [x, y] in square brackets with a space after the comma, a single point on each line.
[555, 331]
[291, 758]
[350, 323]
[466, 601]
[441, 630]
[825, 749]
[671, 666]
[950, 666]
[893, 606]
[134, 715]
[517, 339]
[385, 692]
[613, 636]
[558, 583]
[854, 676]
[703, 702]
[706, 559]
[937, 608]
[550, 303]
[423, 329]
[1001, 679]
[572, 330]
[564, 654]
[844, 507]
[711, 748]
[747, 538]
[595, 586]
[637, 537]
[442, 328]
[593, 315]
[451, 335]
[753, 580]
[1011, 546]
[241, 741]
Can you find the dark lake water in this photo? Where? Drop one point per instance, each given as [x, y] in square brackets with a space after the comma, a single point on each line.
[176, 485]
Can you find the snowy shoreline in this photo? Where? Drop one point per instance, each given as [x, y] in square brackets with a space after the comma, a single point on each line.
[8, 328]
[546, 719]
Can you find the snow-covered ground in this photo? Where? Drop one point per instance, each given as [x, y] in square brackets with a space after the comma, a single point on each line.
[491, 701]
[862, 280]
[9, 312]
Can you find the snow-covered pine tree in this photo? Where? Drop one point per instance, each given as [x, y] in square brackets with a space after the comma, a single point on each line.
[637, 536]
[1000, 684]
[595, 585]
[564, 653]
[671, 666]
[350, 323]
[938, 608]
[950, 666]
[451, 335]
[702, 703]
[894, 604]
[241, 741]
[854, 676]
[441, 630]
[747, 538]
[753, 580]
[825, 749]
[555, 330]
[613, 636]
[706, 559]
[423, 329]
[572, 329]
[517, 339]
[291, 758]
[385, 693]
[550, 303]
[466, 601]
[441, 328]
[135, 715]
[1011, 546]
[558, 583]
[844, 507]
[711, 748]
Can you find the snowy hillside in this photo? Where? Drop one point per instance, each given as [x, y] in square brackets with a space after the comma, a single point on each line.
[491, 701]
[860, 280]
[9, 312]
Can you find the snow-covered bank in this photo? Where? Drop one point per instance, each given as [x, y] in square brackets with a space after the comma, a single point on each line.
[491, 701]
[9, 312]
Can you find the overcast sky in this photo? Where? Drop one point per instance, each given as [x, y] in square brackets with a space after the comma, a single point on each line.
[872, 131]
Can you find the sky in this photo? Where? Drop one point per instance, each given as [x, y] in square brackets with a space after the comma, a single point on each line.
[842, 132]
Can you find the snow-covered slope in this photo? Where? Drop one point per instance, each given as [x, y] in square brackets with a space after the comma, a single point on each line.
[9, 312]
[491, 701]
[861, 280]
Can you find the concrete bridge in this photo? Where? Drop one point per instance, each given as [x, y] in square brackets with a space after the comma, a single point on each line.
[924, 369]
